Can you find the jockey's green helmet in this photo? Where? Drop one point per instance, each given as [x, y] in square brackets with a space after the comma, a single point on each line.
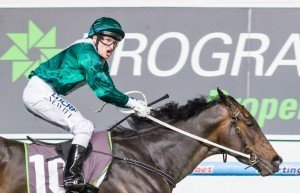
[107, 26]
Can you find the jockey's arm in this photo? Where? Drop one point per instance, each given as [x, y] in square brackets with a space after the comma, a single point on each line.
[102, 85]
[100, 82]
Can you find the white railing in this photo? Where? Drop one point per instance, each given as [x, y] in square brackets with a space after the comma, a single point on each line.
[150, 3]
[51, 138]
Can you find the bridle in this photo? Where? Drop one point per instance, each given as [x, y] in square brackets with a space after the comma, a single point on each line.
[253, 157]
[234, 119]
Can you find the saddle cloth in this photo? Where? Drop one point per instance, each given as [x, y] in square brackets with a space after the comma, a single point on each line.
[47, 176]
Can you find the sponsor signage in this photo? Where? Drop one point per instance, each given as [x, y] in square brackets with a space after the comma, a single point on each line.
[251, 53]
[239, 169]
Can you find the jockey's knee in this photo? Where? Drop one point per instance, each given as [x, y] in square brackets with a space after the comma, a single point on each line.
[84, 127]
[83, 133]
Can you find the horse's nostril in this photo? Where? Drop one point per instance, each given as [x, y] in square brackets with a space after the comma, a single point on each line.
[277, 160]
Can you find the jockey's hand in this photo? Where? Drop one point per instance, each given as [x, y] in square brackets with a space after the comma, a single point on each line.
[139, 106]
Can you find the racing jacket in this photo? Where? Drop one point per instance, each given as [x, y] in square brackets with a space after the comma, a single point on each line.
[77, 65]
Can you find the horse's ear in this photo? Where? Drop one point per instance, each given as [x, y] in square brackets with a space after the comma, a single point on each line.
[224, 98]
[221, 95]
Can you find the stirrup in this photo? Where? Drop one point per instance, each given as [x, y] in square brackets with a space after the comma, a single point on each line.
[76, 184]
[88, 188]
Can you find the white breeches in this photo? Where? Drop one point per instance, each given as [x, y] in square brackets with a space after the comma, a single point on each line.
[42, 100]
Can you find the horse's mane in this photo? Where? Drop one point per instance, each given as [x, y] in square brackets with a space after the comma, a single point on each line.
[170, 112]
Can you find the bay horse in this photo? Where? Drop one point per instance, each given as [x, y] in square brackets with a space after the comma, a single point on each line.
[171, 156]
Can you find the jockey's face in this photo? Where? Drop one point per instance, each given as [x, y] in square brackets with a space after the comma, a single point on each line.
[106, 46]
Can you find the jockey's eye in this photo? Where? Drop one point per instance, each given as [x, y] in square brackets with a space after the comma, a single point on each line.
[109, 42]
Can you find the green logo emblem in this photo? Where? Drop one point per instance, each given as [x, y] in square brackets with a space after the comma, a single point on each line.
[30, 49]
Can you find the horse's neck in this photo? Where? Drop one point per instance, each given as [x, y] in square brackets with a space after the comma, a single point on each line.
[176, 153]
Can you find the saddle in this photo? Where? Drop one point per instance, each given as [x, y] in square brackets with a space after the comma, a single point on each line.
[62, 149]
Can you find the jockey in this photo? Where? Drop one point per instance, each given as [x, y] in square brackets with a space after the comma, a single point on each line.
[83, 62]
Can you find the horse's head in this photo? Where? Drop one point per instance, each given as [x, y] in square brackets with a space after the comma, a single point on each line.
[241, 132]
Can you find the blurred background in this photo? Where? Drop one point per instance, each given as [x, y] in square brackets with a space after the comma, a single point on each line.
[249, 49]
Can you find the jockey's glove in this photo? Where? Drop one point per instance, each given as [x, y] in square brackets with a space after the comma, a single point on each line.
[139, 106]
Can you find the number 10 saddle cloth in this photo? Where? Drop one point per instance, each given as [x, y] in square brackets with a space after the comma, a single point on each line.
[45, 163]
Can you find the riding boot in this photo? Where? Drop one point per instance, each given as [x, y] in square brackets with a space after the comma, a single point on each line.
[73, 175]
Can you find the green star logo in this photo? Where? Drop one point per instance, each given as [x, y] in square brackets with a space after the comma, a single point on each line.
[25, 45]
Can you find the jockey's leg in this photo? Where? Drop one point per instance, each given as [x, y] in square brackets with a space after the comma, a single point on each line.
[73, 176]
[40, 99]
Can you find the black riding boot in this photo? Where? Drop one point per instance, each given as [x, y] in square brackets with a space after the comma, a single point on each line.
[73, 175]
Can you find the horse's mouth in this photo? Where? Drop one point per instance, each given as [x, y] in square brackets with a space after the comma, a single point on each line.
[264, 167]
[270, 167]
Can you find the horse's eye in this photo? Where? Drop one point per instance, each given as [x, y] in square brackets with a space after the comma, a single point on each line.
[250, 123]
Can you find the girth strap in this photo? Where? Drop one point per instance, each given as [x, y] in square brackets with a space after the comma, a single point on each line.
[169, 178]
[152, 169]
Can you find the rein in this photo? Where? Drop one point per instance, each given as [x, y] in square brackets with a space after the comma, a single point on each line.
[197, 137]
[251, 156]
[160, 172]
